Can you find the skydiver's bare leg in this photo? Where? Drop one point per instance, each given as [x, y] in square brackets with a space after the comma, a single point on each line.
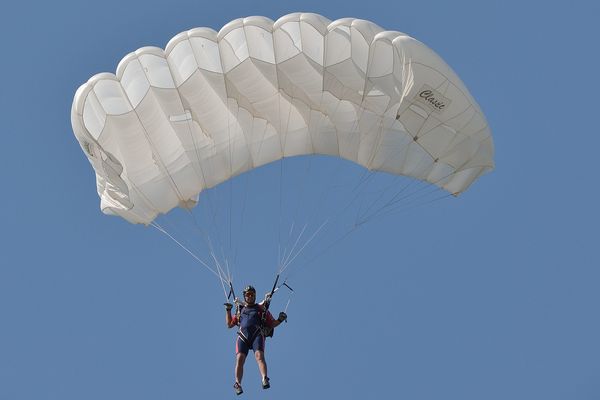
[260, 360]
[239, 367]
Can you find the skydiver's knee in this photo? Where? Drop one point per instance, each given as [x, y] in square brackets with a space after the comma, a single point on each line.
[259, 355]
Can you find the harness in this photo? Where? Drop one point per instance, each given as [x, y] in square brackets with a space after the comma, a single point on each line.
[260, 329]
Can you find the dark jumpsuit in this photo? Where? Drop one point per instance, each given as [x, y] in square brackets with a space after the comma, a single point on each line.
[249, 334]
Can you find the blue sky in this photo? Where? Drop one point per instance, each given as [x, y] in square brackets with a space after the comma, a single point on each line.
[492, 295]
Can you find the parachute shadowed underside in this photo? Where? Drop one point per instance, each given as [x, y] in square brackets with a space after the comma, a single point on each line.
[213, 105]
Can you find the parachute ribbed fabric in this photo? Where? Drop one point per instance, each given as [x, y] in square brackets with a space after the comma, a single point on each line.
[213, 105]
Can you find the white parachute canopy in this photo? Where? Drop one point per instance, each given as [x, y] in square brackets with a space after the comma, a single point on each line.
[213, 105]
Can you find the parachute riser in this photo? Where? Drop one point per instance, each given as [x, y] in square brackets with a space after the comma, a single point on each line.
[267, 302]
[236, 301]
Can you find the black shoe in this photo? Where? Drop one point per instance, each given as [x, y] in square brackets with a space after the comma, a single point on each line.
[238, 388]
[265, 383]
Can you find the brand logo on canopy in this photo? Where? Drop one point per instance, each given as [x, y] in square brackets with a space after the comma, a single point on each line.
[432, 99]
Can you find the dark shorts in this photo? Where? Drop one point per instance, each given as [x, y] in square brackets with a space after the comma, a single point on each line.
[258, 344]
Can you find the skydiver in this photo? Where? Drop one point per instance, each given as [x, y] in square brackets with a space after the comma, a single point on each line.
[254, 320]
